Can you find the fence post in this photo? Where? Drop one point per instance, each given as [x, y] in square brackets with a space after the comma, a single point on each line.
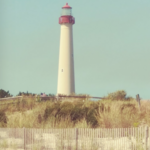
[76, 138]
[146, 137]
[138, 100]
[24, 137]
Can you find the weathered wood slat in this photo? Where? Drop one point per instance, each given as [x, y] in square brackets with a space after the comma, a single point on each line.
[10, 98]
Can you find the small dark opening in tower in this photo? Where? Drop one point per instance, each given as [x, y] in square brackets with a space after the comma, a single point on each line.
[61, 70]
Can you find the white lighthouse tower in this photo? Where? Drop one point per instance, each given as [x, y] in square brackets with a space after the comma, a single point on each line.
[66, 83]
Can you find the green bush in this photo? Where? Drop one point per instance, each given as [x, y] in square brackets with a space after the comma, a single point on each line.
[118, 95]
[52, 110]
[91, 119]
[76, 111]
[3, 93]
[65, 109]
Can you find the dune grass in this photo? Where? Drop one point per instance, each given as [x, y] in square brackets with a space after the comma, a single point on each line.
[112, 112]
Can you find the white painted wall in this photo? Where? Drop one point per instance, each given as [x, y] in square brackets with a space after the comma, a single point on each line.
[66, 83]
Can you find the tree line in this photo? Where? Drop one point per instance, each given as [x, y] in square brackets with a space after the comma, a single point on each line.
[4, 94]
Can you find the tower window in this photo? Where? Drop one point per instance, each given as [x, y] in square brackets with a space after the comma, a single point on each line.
[61, 70]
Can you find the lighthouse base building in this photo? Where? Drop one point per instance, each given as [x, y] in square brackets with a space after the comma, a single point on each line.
[66, 81]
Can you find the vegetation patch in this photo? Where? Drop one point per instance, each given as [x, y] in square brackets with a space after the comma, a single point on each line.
[115, 111]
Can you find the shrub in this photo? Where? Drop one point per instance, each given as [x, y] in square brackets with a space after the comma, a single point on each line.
[65, 109]
[3, 119]
[91, 119]
[3, 93]
[38, 98]
[131, 107]
[118, 95]
[51, 110]
[23, 103]
[18, 105]
[39, 118]
[78, 113]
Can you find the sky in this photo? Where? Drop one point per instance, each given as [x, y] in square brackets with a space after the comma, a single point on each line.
[111, 46]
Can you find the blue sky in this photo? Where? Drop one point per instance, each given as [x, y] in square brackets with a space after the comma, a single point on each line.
[111, 46]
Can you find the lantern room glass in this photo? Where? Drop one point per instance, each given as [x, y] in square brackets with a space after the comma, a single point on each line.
[66, 12]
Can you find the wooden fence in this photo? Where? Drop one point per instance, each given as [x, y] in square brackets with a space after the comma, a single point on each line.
[49, 97]
[75, 139]
[12, 100]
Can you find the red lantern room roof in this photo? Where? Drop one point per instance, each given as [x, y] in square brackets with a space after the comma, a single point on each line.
[67, 6]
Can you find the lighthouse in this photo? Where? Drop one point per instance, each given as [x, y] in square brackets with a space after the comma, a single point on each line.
[66, 81]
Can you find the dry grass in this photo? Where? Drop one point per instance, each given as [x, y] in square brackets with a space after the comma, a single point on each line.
[107, 114]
